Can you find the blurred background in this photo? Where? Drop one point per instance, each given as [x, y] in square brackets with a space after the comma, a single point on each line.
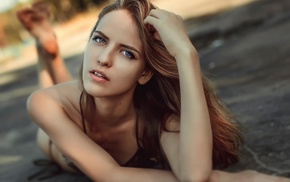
[244, 47]
[16, 45]
[75, 17]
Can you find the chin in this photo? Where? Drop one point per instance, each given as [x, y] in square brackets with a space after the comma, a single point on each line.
[95, 92]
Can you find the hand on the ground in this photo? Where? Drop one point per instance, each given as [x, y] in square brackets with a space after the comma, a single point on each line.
[35, 20]
[254, 176]
[245, 176]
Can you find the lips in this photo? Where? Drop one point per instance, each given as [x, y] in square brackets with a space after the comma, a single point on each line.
[100, 74]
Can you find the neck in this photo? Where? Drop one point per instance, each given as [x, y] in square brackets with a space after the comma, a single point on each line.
[113, 111]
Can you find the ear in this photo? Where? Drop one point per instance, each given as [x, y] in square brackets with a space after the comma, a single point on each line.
[145, 77]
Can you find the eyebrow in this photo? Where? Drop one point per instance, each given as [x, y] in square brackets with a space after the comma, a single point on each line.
[123, 45]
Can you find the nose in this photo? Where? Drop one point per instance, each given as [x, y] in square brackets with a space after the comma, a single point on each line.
[105, 56]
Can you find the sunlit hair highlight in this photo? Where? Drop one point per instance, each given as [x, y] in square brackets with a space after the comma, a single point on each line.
[159, 99]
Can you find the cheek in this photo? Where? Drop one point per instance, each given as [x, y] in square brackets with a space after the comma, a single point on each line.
[128, 73]
[90, 58]
[88, 54]
[87, 62]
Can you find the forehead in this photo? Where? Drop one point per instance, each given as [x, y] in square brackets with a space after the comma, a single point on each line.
[120, 27]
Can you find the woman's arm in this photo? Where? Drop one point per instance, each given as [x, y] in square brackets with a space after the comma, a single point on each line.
[194, 142]
[190, 151]
[90, 158]
[195, 128]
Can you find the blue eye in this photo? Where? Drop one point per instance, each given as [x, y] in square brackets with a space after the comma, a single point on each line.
[99, 39]
[128, 54]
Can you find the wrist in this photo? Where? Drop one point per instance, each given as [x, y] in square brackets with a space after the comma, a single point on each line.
[187, 53]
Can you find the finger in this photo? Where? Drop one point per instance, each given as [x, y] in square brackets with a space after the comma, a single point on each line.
[153, 13]
[151, 23]
[159, 13]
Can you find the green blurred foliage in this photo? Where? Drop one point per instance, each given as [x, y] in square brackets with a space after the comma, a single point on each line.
[61, 10]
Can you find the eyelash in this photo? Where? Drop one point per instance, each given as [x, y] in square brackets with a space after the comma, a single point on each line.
[126, 53]
[96, 38]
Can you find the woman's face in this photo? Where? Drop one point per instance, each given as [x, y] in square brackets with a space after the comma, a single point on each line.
[113, 59]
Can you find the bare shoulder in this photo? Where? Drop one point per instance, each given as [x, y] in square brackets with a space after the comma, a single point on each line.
[61, 93]
[64, 96]
[67, 90]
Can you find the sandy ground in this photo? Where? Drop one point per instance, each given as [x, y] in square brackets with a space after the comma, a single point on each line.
[73, 35]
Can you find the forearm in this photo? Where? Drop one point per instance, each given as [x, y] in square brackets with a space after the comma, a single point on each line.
[195, 152]
[194, 147]
[100, 169]
[142, 175]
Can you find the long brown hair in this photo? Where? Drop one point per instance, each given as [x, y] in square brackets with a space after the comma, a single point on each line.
[160, 97]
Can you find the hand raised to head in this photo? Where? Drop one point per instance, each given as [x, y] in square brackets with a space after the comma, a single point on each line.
[169, 28]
